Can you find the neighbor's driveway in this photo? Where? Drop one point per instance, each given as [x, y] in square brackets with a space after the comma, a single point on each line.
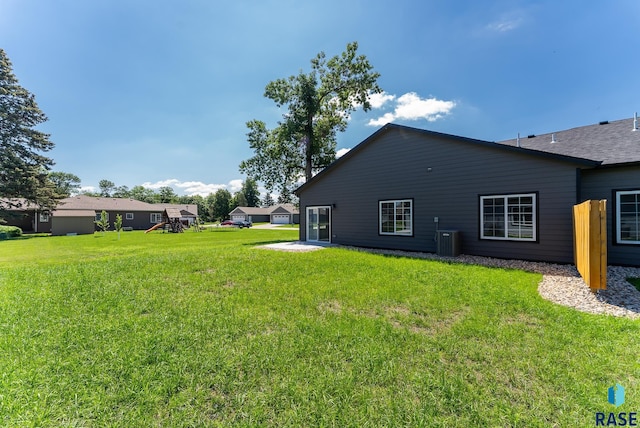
[273, 226]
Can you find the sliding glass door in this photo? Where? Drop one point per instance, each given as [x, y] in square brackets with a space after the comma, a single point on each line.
[319, 224]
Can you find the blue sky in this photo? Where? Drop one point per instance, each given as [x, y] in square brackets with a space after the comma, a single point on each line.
[159, 92]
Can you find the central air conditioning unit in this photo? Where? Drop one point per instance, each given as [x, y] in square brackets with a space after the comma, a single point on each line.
[448, 243]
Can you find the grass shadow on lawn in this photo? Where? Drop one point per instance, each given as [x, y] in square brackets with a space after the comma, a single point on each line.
[273, 241]
[30, 236]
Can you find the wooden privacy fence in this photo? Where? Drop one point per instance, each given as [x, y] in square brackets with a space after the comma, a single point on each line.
[590, 242]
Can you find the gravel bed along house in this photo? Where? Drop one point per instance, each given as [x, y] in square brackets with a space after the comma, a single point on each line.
[561, 284]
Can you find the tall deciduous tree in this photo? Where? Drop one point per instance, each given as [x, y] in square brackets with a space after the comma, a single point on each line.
[121, 192]
[143, 194]
[318, 106]
[221, 204]
[166, 195]
[251, 192]
[23, 166]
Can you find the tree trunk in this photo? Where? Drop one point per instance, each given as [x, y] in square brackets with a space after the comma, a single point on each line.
[308, 168]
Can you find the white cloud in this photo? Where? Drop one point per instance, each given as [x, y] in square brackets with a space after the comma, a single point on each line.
[502, 26]
[378, 100]
[411, 107]
[382, 120]
[194, 187]
[342, 152]
[234, 185]
[158, 184]
[509, 21]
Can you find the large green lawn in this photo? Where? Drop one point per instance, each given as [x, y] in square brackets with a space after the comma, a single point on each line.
[203, 329]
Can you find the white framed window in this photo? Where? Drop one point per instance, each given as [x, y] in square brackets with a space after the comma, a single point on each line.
[508, 217]
[396, 217]
[128, 216]
[628, 217]
[99, 215]
[44, 217]
[156, 217]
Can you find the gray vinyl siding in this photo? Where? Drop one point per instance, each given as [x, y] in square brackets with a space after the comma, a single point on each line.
[601, 184]
[141, 219]
[396, 165]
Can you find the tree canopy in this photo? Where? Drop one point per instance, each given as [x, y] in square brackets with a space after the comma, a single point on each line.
[318, 106]
[65, 183]
[24, 169]
[219, 204]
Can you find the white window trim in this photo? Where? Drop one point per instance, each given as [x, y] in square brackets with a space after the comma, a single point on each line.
[395, 233]
[155, 218]
[128, 216]
[534, 219]
[619, 239]
[44, 217]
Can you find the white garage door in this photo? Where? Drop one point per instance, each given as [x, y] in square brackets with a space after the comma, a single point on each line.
[280, 219]
[237, 217]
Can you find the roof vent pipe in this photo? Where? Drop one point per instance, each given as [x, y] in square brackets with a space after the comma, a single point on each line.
[518, 140]
[553, 138]
[635, 121]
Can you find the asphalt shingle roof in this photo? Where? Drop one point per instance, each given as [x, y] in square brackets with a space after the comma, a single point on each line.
[610, 143]
[82, 202]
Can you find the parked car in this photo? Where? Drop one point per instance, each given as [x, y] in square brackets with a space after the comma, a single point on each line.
[237, 223]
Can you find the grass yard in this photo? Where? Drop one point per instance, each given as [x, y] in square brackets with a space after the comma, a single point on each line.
[203, 329]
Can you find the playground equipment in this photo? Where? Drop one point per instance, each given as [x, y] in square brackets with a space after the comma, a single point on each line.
[170, 218]
[157, 226]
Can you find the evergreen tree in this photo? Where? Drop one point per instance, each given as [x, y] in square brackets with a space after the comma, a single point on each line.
[239, 200]
[65, 183]
[268, 200]
[24, 170]
[106, 188]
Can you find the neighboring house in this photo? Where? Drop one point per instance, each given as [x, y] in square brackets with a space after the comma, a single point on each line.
[285, 214]
[27, 216]
[513, 199]
[276, 214]
[135, 214]
[72, 215]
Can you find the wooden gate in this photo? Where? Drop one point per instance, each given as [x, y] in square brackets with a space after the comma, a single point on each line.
[590, 242]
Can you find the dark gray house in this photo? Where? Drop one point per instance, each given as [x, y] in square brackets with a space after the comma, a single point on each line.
[512, 199]
[26, 216]
[135, 214]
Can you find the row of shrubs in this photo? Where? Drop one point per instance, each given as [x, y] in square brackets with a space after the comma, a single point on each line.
[10, 232]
